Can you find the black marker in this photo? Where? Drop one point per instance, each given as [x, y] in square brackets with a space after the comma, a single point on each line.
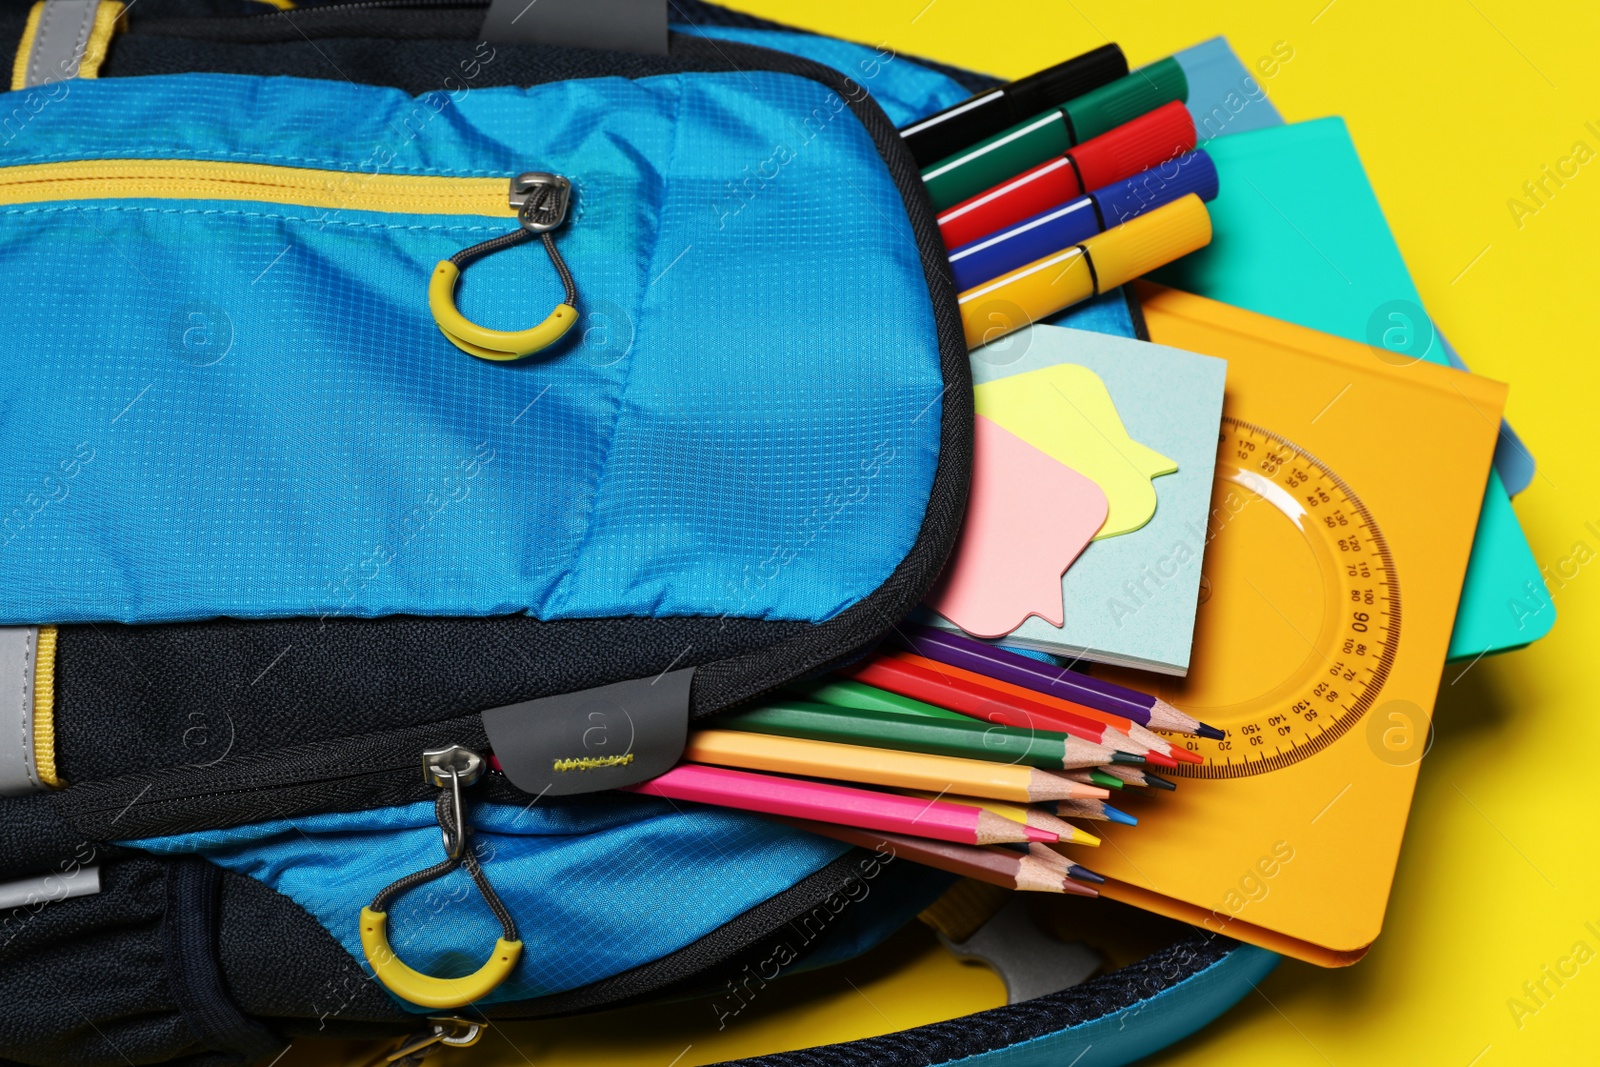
[937, 136]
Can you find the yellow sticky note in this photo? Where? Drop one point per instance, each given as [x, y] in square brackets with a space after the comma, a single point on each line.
[1066, 412]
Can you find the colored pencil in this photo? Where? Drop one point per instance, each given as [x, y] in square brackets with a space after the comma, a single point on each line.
[890, 671]
[1037, 818]
[1095, 776]
[881, 766]
[930, 682]
[1012, 870]
[863, 808]
[1093, 809]
[1137, 776]
[1077, 872]
[959, 650]
[909, 732]
[1043, 704]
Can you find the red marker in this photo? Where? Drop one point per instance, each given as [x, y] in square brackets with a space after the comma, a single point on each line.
[1148, 140]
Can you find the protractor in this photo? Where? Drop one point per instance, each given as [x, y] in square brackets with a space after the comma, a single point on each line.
[1300, 590]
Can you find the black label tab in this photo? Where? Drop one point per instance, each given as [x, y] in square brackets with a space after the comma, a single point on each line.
[614, 25]
[594, 739]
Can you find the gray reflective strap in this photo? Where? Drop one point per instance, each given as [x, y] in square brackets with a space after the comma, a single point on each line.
[59, 41]
[18, 645]
[45, 888]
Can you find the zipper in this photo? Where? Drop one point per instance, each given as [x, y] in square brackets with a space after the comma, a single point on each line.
[197, 179]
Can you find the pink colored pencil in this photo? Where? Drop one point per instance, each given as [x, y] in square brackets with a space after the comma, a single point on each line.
[842, 805]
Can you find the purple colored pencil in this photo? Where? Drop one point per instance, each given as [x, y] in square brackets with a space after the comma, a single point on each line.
[980, 657]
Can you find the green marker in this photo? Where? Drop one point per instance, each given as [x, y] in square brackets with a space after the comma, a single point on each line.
[1050, 133]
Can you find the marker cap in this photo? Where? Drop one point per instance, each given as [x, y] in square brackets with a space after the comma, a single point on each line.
[1149, 139]
[1034, 190]
[1126, 99]
[955, 128]
[1192, 172]
[1064, 81]
[1152, 240]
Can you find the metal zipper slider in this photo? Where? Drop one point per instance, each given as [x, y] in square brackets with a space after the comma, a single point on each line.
[540, 200]
[453, 766]
[450, 1031]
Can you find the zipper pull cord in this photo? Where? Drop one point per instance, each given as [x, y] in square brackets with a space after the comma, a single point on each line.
[444, 806]
[449, 768]
[541, 203]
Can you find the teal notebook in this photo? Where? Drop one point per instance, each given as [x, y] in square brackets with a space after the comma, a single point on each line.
[1299, 235]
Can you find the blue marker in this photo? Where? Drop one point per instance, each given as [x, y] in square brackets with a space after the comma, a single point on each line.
[1062, 227]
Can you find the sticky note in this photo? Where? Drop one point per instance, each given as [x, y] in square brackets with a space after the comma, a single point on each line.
[1066, 412]
[1028, 517]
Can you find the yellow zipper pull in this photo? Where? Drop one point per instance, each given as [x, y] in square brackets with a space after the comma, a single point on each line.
[451, 768]
[540, 201]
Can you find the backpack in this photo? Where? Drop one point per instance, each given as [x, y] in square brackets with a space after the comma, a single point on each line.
[294, 551]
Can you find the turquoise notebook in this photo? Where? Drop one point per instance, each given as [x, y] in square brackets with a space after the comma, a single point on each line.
[1299, 236]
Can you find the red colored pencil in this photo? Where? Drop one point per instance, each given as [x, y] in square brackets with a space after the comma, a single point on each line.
[936, 684]
[1162, 752]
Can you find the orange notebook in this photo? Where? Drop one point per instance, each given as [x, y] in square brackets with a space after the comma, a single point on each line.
[1343, 512]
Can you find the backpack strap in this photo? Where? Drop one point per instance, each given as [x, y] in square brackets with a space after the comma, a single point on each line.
[64, 39]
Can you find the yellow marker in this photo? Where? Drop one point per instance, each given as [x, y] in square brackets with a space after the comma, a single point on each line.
[1103, 262]
[1066, 412]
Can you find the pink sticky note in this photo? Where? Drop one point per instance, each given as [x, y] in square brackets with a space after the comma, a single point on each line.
[1028, 518]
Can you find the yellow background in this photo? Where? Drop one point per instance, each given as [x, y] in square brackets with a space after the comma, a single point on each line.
[1453, 104]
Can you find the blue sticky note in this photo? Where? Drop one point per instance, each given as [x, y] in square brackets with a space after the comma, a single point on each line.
[1299, 235]
[1171, 401]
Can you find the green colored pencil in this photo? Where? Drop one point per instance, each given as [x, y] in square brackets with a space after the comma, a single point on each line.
[968, 739]
[841, 693]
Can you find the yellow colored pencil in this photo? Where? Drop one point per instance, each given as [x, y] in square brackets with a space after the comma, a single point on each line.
[1034, 817]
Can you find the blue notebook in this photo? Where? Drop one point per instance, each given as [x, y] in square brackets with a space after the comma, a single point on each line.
[1299, 236]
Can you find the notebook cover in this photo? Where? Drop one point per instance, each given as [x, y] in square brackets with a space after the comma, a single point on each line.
[1325, 688]
[1298, 234]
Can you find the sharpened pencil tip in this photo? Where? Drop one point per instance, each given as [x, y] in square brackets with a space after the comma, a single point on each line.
[1157, 782]
[1128, 758]
[1207, 730]
[1119, 816]
[1084, 874]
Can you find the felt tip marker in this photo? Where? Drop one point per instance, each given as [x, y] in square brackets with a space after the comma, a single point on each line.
[1134, 146]
[1050, 133]
[1077, 220]
[987, 113]
[1087, 269]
